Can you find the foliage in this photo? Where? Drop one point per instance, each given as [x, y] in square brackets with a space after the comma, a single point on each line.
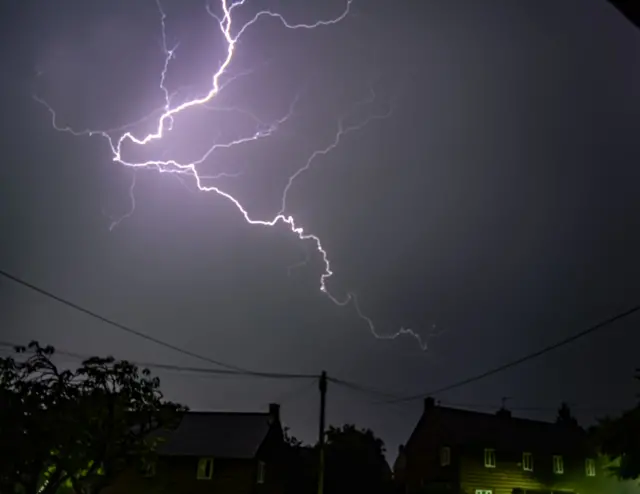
[32, 393]
[354, 462]
[619, 440]
[302, 466]
[565, 417]
[77, 428]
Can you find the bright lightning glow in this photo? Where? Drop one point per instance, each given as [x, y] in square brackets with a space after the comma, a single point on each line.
[166, 121]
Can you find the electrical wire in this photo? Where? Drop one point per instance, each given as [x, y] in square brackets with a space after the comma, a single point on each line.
[235, 370]
[180, 368]
[145, 336]
[477, 406]
[530, 356]
[361, 388]
[350, 385]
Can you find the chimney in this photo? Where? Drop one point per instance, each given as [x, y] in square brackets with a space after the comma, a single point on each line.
[504, 413]
[274, 412]
[429, 403]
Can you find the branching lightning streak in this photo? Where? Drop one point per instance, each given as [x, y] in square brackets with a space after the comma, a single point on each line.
[132, 201]
[166, 122]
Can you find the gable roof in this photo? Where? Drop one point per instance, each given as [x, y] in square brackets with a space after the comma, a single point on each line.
[465, 428]
[218, 434]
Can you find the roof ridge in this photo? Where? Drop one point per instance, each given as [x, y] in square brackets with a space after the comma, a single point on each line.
[493, 415]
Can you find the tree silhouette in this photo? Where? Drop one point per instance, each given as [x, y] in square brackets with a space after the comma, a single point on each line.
[619, 440]
[77, 429]
[565, 417]
[354, 462]
[302, 466]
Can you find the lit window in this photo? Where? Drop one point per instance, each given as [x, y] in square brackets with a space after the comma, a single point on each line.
[558, 465]
[205, 469]
[490, 458]
[262, 470]
[527, 462]
[445, 456]
[590, 466]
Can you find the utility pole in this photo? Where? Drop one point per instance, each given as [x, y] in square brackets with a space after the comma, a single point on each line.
[323, 402]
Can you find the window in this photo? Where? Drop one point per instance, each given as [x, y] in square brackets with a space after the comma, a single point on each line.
[205, 469]
[262, 470]
[558, 465]
[484, 491]
[445, 456]
[490, 458]
[590, 466]
[527, 462]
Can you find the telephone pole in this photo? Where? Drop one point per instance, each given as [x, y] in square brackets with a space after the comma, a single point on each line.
[323, 402]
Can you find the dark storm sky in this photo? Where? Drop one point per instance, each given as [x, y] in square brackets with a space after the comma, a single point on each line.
[498, 202]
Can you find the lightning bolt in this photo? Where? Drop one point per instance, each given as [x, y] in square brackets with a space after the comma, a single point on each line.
[132, 201]
[219, 80]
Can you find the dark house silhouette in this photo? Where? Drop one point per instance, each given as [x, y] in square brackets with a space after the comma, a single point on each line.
[213, 452]
[459, 451]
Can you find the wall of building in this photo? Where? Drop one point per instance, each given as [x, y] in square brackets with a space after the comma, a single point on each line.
[509, 474]
[178, 476]
[422, 460]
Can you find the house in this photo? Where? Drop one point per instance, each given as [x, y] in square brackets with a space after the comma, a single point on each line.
[465, 452]
[213, 452]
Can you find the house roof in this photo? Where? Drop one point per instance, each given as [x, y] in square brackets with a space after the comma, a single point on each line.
[218, 434]
[458, 427]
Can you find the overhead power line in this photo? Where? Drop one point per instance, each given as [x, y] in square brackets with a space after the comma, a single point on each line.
[142, 335]
[179, 368]
[235, 370]
[530, 356]
[361, 388]
[352, 386]
[349, 385]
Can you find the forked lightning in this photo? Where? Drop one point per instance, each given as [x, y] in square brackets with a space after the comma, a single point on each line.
[165, 122]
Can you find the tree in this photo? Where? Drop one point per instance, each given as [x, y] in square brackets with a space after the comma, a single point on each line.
[301, 462]
[80, 428]
[619, 440]
[33, 395]
[355, 462]
[565, 417]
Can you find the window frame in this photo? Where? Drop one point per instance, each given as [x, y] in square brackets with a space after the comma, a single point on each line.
[445, 456]
[590, 467]
[558, 461]
[527, 467]
[201, 472]
[261, 472]
[490, 453]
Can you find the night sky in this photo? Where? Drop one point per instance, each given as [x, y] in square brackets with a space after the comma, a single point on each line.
[494, 212]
